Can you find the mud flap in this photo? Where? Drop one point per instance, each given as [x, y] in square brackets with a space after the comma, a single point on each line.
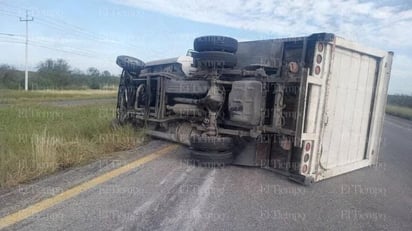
[301, 179]
[252, 152]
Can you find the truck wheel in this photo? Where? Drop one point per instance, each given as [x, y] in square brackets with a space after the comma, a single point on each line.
[215, 43]
[212, 159]
[129, 63]
[211, 143]
[213, 59]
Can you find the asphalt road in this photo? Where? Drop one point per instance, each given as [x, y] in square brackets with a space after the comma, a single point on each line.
[170, 194]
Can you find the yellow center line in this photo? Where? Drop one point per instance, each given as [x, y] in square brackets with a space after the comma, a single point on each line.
[47, 203]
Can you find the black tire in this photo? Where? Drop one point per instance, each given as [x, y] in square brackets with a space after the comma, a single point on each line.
[211, 143]
[213, 59]
[215, 43]
[121, 109]
[212, 159]
[129, 63]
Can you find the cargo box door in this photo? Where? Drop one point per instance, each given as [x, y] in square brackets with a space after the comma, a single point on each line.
[348, 108]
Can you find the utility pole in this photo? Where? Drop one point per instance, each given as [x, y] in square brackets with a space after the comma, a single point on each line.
[26, 73]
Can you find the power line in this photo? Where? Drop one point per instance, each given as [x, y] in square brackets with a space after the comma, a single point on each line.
[9, 34]
[13, 11]
[76, 31]
[42, 45]
[64, 26]
[9, 13]
[26, 72]
[31, 43]
[68, 50]
[11, 41]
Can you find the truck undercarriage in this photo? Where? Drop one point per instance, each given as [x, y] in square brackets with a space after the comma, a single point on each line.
[231, 103]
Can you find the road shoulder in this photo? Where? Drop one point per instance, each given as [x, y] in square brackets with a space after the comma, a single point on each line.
[23, 195]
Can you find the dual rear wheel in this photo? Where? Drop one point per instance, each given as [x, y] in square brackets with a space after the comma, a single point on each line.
[211, 151]
[215, 52]
[212, 52]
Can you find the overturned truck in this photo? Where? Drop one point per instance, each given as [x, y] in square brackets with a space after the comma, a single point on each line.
[306, 107]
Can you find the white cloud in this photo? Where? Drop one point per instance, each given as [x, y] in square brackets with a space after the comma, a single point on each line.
[381, 25]
[353, 19]
[401, 75]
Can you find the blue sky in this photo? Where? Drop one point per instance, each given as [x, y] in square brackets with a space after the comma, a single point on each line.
[93, 33]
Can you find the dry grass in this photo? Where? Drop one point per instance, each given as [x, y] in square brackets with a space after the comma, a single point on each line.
[403, 112]
[78, 93]
[38, 139]
[19, 97]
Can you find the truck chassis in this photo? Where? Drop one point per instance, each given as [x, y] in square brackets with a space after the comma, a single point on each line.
[247, 103]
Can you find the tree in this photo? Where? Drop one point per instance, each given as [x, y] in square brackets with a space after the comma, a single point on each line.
[59, 66]
[106, 73]
[62, 66]
[10, 77]
[92, 71]
[77, 72]
[45, 66]
[54, 73]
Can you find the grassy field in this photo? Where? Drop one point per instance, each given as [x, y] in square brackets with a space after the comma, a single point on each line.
[403, 112]
[38, 139]
[19, 97]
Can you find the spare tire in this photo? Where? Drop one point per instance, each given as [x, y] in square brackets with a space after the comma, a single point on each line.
[212, 159]
[130, 63]
[211, 143]
[213, 59]
[215, 43]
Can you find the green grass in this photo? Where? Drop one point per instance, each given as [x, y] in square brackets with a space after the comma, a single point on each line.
[38, 139]
[403, 112]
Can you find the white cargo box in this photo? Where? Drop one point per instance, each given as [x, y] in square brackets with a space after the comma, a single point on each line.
[345, 107]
